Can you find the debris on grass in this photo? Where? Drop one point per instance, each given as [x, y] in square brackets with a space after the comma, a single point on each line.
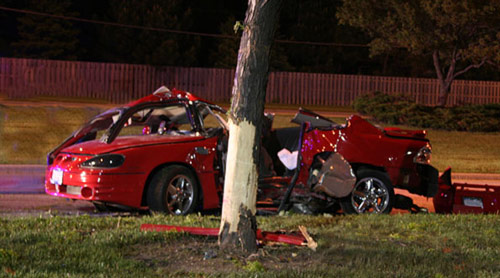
[310, 241]
[263, 236]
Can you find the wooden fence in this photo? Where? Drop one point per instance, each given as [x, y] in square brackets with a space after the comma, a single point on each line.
[120, 83]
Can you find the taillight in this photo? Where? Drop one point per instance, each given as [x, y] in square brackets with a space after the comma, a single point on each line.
[424, 155]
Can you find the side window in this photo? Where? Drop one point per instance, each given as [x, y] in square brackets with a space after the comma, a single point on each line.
[212, 119]
[171, 120]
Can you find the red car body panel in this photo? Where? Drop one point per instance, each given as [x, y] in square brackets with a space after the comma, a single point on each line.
[122, 185]
[363, 145]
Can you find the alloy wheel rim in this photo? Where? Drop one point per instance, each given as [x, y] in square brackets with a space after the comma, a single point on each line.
[370, 195]
[179, 195]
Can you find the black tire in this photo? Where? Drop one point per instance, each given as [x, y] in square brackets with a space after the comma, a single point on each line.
[174, 190]
[372, 193]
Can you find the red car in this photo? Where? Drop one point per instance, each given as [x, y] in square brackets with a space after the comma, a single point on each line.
[166, 152]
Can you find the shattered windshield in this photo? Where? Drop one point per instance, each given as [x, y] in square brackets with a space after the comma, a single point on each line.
[99, 124]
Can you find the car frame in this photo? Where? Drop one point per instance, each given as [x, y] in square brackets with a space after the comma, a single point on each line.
[353, 167]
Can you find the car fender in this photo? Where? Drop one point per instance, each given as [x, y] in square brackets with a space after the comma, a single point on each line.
[199, 159]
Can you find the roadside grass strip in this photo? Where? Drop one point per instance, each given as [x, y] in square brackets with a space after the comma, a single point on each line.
[422, 245]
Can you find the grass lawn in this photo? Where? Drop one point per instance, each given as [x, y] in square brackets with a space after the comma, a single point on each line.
[27, 134]
[467, 152]
[349, 246]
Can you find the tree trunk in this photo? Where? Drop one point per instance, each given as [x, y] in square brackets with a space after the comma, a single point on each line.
[444, 92]
[238, 223]
[444, 82]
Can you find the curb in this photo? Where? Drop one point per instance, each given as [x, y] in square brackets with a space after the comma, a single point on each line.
[475, 176]
[9, 169]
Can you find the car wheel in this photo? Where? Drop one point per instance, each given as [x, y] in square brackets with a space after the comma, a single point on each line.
[373, 193]
[173, 189]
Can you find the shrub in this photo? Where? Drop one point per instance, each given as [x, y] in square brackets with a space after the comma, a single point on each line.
[401, 110]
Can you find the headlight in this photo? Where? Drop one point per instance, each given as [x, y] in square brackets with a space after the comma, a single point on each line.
[104, 161]
[424, 155]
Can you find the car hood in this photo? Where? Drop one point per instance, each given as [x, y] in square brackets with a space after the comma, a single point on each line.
[125, 142]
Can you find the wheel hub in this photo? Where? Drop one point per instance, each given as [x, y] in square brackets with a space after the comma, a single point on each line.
[179, 195]
[370, 196]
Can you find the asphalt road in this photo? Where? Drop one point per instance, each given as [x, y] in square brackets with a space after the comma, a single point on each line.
[22, 179]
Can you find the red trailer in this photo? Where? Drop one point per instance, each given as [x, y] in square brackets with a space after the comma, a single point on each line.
[465, 198]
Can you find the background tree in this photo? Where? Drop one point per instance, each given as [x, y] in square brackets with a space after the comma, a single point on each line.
[47, 37]
[312, 21]
[307, 20]
[459, 35]
[227, 49]
[8, 32]
[238, 223]
[148, 46]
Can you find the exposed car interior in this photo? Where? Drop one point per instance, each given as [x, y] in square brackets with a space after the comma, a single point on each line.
[169, 120]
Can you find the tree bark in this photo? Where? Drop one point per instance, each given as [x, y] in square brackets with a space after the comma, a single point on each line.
[444, 92]
[238, 223]
[451, 75]
[444, 83]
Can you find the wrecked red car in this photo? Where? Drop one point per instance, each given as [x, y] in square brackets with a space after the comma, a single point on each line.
[166, 152]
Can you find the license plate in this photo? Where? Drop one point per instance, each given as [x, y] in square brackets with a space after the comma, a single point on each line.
[57, 177]
[473, 202]
[73, 190]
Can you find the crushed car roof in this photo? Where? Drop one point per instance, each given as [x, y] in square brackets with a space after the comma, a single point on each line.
[164, 94]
